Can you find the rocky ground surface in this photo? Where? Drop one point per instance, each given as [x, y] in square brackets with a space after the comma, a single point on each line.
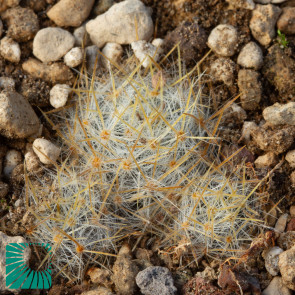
[252, 53]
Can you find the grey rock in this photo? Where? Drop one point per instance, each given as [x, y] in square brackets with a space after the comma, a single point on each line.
[117, 25]
[251, 56]
[155, 280]
[50, 44]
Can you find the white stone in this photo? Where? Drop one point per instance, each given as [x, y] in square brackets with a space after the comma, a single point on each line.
[46, 151]
[251, 56]
[11, 160]
[74, 57]
[10, 49]
[59, 94]
[290, 158]
[223, 40]
[158, 42]
[113, 52]
[143, 50]
[123, 23]
[279, 114]
[82, 38]
[276, 287]
[4, 241]
[271, 257]
[7, 83]
[51, 44]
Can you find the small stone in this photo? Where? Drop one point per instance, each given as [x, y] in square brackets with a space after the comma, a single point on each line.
[32, 161]
[281, 223]
[1, 27]
[102, 6]
[4, 241]
[17, 118]
[287, 267]
[59, 95]
[244, 4]
[263, 21]
[286, 240]
[46, 151]
[74, 57]
[11, 160]
[7, 4]
[82, 38]
[54, 73]
[290, 158]
[4, 189]
[286, 22]
[113, 52]
[10, 50]
[292, 178]
[50, 44]
[159, 43]
[7, 83]
[276, 287]
[251, 89]
[117, 25]
[251, 56]
[222, 70]
[268, 160]
[278, 1]
[22, 23]
[248, 128]
[155, 280]
[279, 114]
[223, 40]
[97, 291]
[292, 211]
[271, 257]
[70, 13]
[142, 50]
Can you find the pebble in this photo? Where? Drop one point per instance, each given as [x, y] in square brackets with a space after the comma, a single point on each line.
[32, 161]
[271, 257]
[1, 27]
[11, 160]
[222, 70]
[290, 158]
[251, 56]
[223, 40]
[50, 44]
[113, 52]
[269, 159]
[7, 83]
[59, 95]
[74, 57]
[276, 287]
[286, 22]
[263, 21]
[142, 50]
[155, 280]
[4, 189]
[82, 38]
[244, 4]
[7, 4]
[102, 6]
[292, 178]
[287, 267]
[117, 25]
[17, 118]
[46, 151]
[54, 73]
[22, 23]
[98, 291]
[286, 240]
[10, 49]
[4, 241]
[248, 128]
[281, 223]
[279, 114]
[70, 13]
[251, 89]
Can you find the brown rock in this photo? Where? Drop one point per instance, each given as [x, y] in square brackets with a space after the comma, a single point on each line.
[286, 22]
[54, 73]
[291, 225]
[70, 12]
[99, 276]
[292, 178]
[7, 4]
[22, 23]
[287, 240]
[287, 268]
[267, 160]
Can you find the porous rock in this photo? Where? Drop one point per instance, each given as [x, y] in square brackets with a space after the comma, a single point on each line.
[286, 22]
[74, 57]
[250, 88]
[46, 151]
[70, 13]
[117, 25]
[222, 70]
[276, 287]
[287, 267]
[17, 118]
[54, 73]
[50, 44]
[251, 56]
[22, 23]
[263, 21]
[10, 49]
[155, 280]
[59, 95]
[223, 40]
[271, 257]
